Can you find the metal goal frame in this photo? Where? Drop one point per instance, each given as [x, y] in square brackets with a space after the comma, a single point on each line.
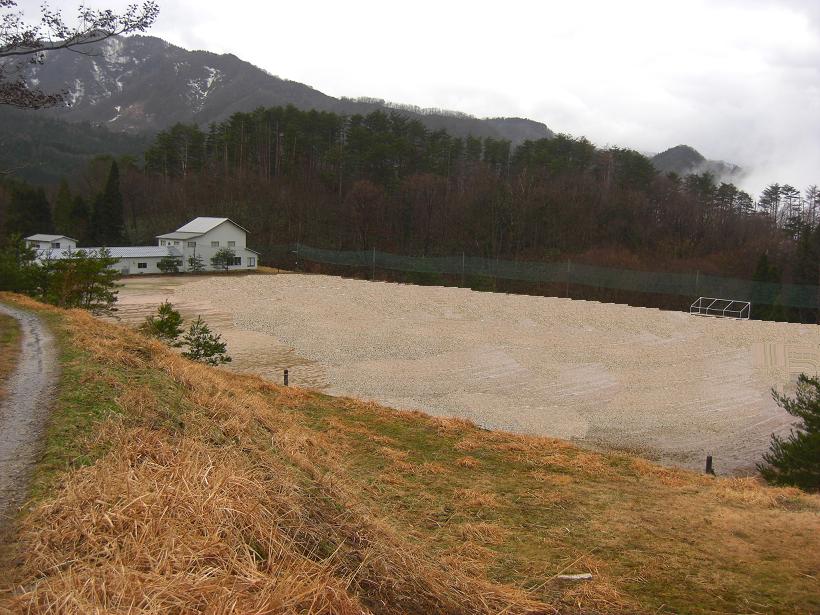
[721, 308]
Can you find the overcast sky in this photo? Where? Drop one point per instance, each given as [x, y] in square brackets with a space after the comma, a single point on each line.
[737, 79]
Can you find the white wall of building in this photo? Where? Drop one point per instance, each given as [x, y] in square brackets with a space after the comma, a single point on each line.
[226, 235]
[131, 265]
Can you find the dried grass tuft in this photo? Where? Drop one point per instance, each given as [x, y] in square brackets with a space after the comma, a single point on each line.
[750, 491]
[475, 498]
[483, 533]
[466, 445]
[468, 462]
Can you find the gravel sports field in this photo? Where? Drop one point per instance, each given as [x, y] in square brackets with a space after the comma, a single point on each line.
[667, 385]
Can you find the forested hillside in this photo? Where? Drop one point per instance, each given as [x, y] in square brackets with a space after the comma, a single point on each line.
[42, 149]
[384, 181]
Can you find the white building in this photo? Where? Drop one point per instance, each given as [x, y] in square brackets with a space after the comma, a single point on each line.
[47, 242]
[202, 237]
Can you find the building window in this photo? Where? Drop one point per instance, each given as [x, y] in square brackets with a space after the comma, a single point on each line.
[142, 265]
[191, 244]
[237, 260]
[162, 242]
[176, 243]
[56, 244]
[214, 244]
[251, 261]
[231, 244]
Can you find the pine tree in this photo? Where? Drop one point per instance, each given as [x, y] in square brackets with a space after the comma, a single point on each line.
[766, 302]
[165, 326]
[29, 211]
[79, 225]
[62, 210]
[18, 272]
[196, 264]
[796, 459]
[203, 345]
[770, 201]
[108, 227]
[85, 280]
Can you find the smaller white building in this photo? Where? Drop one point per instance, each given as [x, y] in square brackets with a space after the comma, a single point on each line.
[200, 239]
[48, 242]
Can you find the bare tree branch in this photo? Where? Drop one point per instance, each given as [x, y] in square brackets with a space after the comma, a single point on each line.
[19, 40]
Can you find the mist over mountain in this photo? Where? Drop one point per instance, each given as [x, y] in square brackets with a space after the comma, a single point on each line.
[142, 83]
[686, 160]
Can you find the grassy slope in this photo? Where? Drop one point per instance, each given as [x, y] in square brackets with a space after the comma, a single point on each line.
[167, 483]
[9, 348]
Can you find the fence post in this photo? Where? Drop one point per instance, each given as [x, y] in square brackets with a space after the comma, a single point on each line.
[566, 292]
[286, 378]
[462, 268]
[373, 272]
[697, 282]
[297, 256]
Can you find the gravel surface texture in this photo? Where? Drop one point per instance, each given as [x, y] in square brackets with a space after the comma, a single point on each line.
[667, 385]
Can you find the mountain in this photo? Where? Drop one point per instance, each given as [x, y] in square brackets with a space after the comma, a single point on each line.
[686, 160]
[143, 83]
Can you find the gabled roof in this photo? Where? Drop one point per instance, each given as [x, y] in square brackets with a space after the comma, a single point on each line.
[204, 224]
[44, 237]
[178, 235]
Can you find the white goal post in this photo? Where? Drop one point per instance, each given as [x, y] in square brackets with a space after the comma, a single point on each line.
[721, 308]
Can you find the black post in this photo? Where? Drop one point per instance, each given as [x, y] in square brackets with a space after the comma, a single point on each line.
[286, 382]
[709, 469]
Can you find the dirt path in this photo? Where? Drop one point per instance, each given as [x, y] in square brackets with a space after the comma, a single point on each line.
[24, 411]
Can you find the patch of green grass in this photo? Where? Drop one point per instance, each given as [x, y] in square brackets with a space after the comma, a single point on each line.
[565, 508]
[9, 347]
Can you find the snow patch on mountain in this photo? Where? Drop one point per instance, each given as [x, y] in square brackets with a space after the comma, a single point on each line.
[76, 94]
[198, 89]
[112, 51]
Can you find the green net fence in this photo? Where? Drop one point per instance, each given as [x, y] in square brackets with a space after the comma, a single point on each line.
[693, 284]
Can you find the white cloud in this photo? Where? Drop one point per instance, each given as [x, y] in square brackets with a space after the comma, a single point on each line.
[737, 79]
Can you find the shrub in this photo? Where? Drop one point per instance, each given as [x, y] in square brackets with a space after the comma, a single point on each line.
[169, 264]
[223, 259]
[796, 459]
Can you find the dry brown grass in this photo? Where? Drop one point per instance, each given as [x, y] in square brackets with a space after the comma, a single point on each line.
[166, 525]
[229, 491]
[211, 517]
